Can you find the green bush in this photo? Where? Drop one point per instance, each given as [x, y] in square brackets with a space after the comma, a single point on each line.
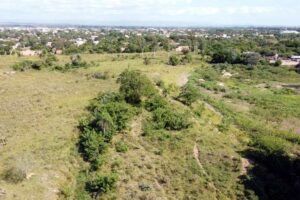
[101, 184]
[278, 63]
[23, 66]
[167, 118]
[92, 145]
[135, 86]
[121, 147]
[188, 94]
[174, 60]
[155, 102]
[121, 113]
[186, 59]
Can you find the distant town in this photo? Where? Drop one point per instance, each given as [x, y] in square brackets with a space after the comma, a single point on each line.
[33, 40]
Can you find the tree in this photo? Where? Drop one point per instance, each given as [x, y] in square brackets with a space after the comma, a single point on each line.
[251, 58]
[224, 55]
[134, 86]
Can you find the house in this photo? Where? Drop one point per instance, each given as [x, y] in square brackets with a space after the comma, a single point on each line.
[289, 32]
[28, 52]
[295, 58]
[182, 48]
[80, 41]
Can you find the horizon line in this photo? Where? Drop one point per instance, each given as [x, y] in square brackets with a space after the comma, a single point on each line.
[36, 24]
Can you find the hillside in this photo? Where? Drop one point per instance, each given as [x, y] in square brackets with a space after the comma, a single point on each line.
[242, 141]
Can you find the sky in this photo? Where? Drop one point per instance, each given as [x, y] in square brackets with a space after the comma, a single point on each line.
[179, 13]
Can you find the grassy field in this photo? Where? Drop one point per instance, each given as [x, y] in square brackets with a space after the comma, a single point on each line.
[40, 111]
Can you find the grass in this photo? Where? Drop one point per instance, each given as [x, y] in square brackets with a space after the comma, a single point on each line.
[40, 111]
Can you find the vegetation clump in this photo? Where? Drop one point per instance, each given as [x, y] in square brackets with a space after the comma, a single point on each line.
[100, 184]
[135, 86]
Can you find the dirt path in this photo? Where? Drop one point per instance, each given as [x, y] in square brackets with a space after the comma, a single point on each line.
[196, 156]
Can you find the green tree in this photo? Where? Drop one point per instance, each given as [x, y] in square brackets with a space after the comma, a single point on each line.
[134, 86]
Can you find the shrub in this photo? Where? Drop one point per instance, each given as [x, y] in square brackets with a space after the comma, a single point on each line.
[167, 118]
[188, 94]
[278, 63]
[101, 184]
[155, 102]
[121, 147]
[134, 86]
[120, 113]
[99, 75]
[15, 175]
[92, 145]
[147, 61]
[186, 59]
[50, 60]
[23, 66]
[174, 60]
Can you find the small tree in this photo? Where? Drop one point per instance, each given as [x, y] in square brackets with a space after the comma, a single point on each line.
[134, 86]
[251, 58]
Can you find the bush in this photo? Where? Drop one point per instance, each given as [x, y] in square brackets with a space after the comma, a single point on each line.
[155, 102]
[188, 94]
[278, 63]
[186, 59]
[167, 118]
[174, 60]
[100, 75]
[147, 61]
[50, 60]
[135, 86]
[121, 147]
[15, 175]
[92, 145]
[101, 184]
[23, 66]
